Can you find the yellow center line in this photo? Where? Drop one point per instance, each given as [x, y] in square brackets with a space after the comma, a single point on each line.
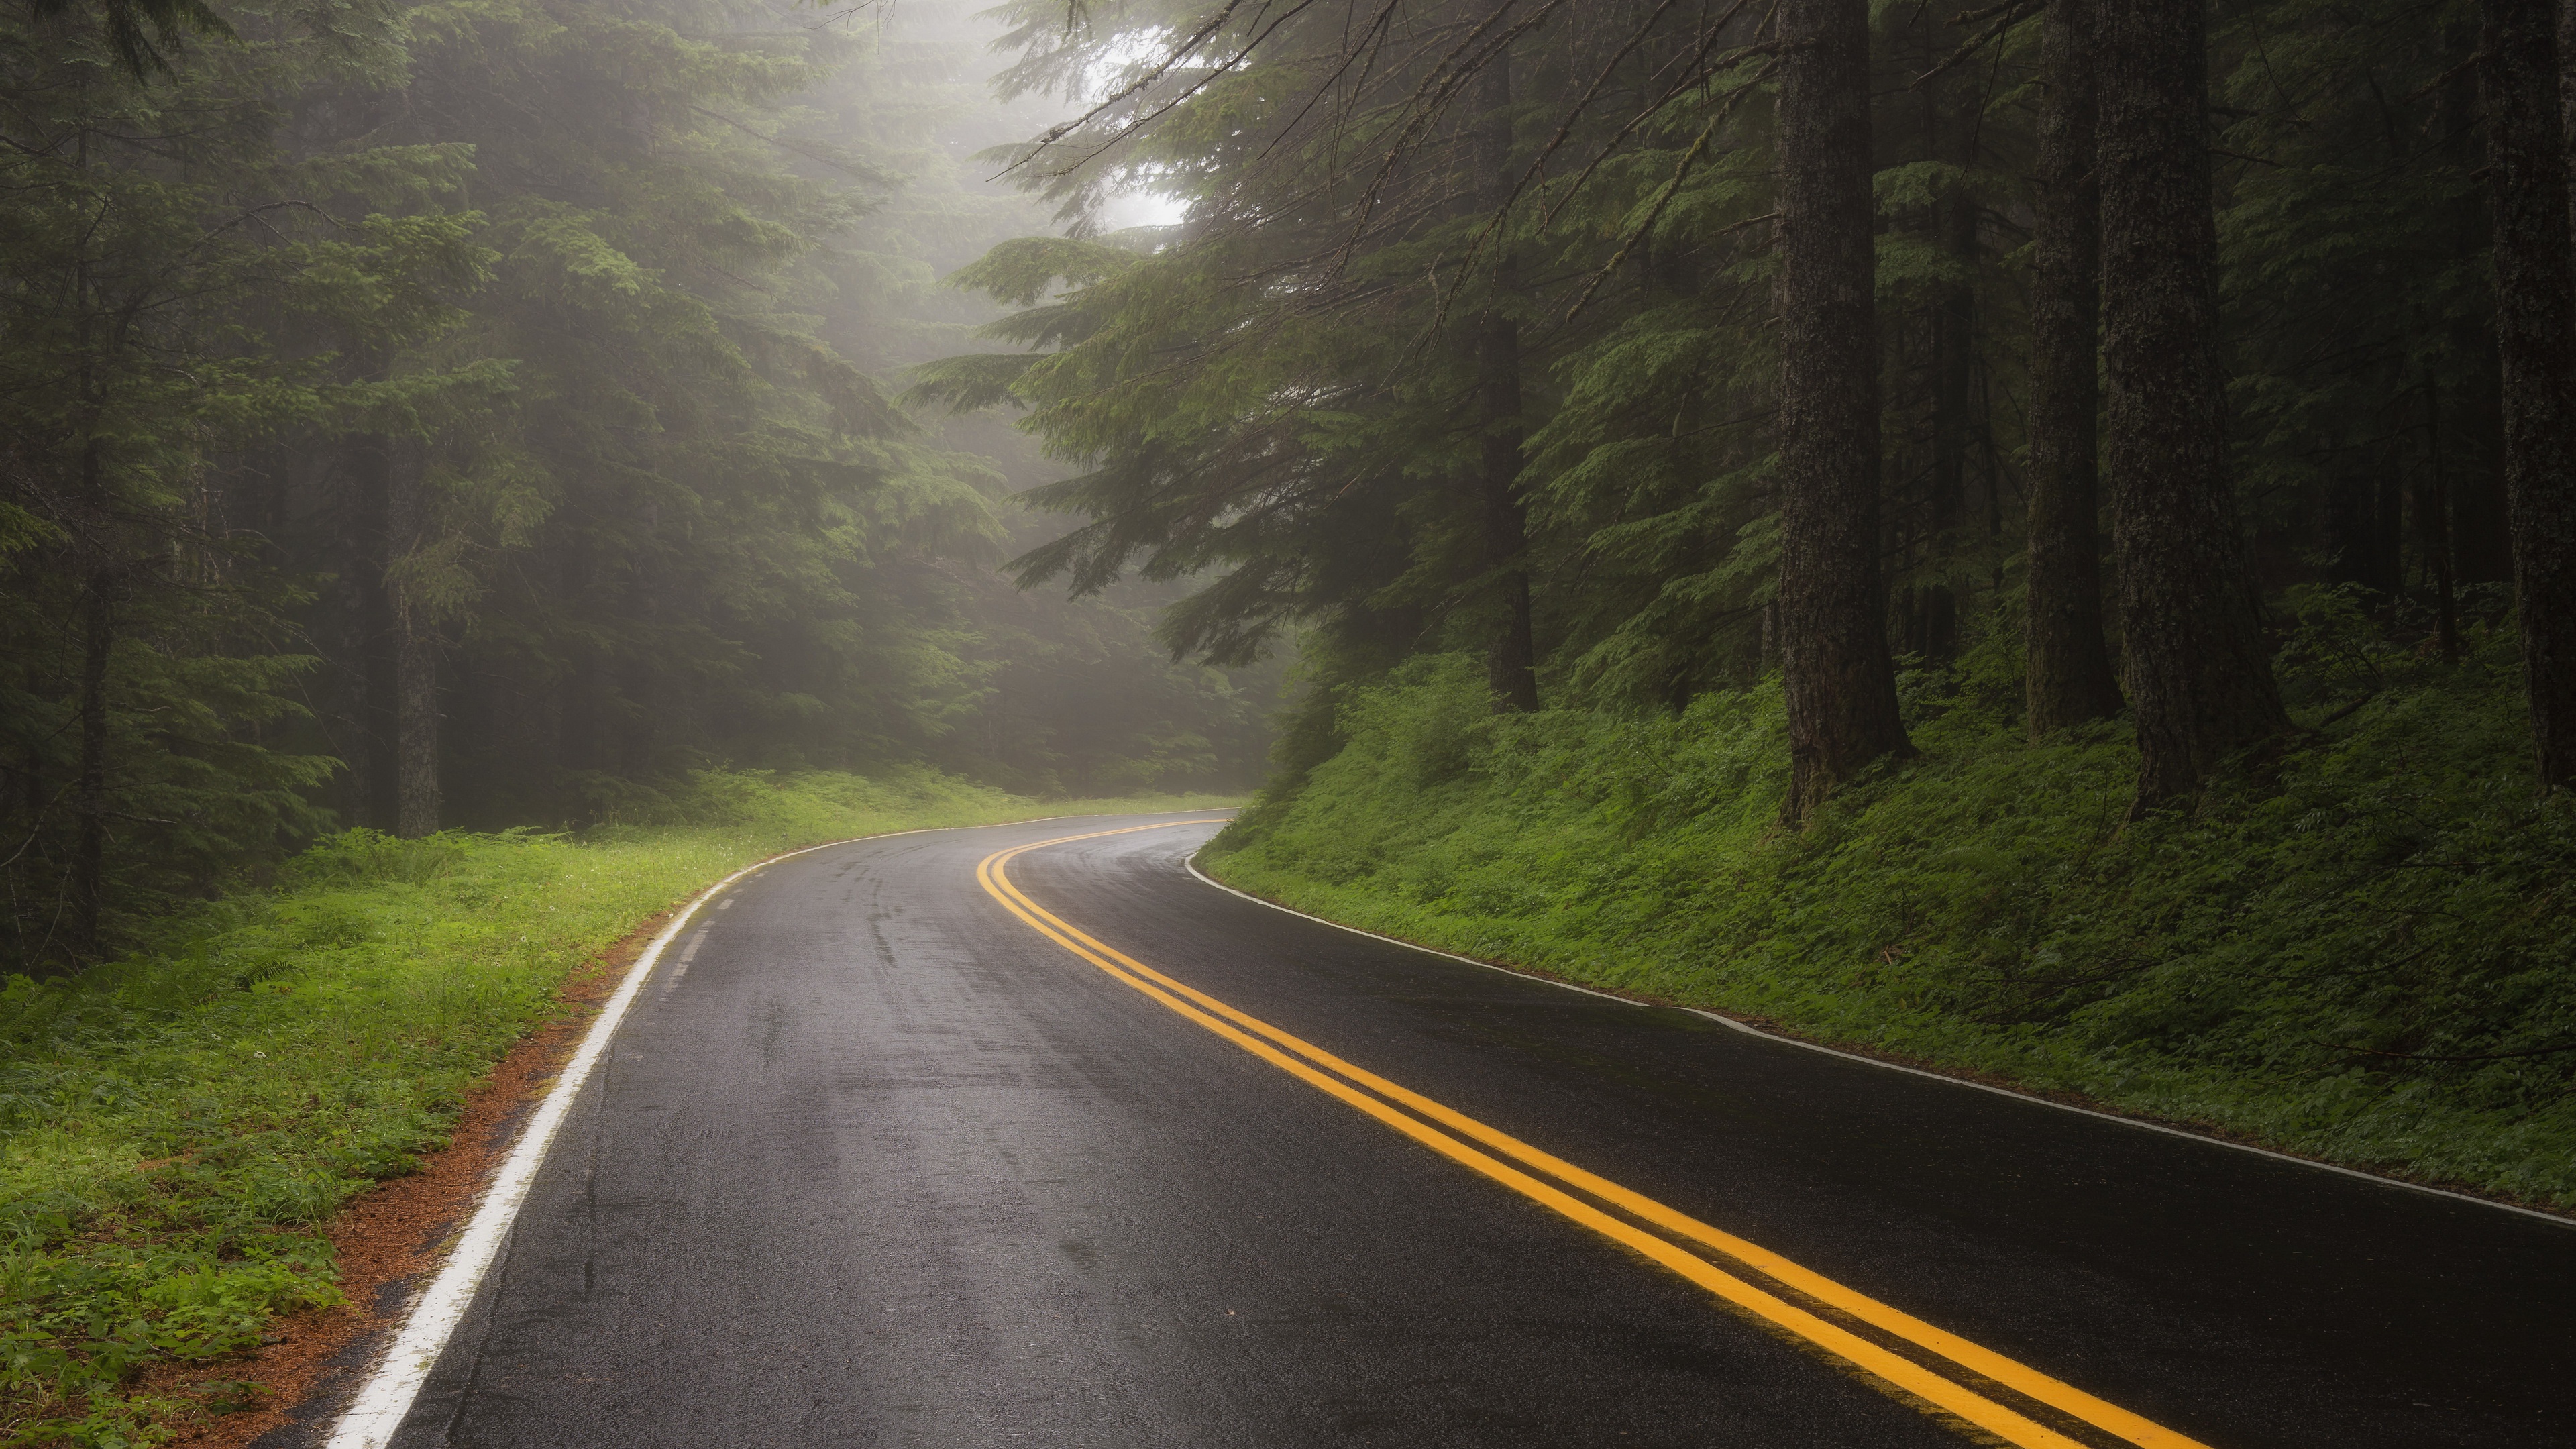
[1246, 1032]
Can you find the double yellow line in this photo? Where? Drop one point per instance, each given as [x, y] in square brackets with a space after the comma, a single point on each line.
[1472, 1144]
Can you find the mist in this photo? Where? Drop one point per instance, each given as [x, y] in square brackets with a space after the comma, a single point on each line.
[2029, 544]
[503, 426]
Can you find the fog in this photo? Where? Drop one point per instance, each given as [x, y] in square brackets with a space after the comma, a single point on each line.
[506, 416]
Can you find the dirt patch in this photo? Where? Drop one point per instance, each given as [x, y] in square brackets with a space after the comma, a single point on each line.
[391, 1235]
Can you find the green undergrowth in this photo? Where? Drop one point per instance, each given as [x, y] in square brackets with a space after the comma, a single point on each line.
[2363, 951]
[176, 1128]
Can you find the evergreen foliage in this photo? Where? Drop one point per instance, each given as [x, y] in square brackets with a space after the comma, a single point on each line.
[475, 413]
[1280, 395]
[2295, 872]
[1667, 433]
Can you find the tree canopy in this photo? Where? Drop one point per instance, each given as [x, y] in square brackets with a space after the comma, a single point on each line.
[435, 414]
[1505, 319]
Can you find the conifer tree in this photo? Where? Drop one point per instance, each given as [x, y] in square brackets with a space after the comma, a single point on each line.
[2069, 673]
[1840, 679]
[452, 415]
[2198, 673]
[1513, 655]
[2536, 341]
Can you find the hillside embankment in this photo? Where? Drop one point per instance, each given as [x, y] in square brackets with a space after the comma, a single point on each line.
[2362, 949]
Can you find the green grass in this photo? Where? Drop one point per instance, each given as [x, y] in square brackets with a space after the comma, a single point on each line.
[176, 1128]
[2256, 965]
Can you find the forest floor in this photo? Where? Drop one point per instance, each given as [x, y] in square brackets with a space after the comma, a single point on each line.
[2362, 950]
[177, 1129]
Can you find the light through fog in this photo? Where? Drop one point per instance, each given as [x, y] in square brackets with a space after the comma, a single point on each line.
[1142, 208]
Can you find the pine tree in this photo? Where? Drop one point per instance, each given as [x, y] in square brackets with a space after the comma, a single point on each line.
[2536, 341]
[2070, 678]
[1512, 658]
[1841, 681]
[2198, 674]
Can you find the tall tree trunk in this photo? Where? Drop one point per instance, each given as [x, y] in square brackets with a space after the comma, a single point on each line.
[579, 685]
[367, 465]
[1954, 323]
[2355, 523]
[2069, 675]
[88, 882]
[641, 681]
[416, 795]
[2388, 530]
[2536, 345]
[1512, 660]
[89, 845]
[2198, 675]
[415, 664]
[2567, 89]
[1839, 677]
[2481, 541]
[2433, 520]
[2472, 429]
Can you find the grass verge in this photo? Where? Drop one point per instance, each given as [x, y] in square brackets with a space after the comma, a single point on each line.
[2364, 952]
[176, 1128]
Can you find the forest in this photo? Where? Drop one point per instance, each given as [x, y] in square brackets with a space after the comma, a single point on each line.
[2033, 539]
[2036, 540]
[1649, 351]
[478, 416]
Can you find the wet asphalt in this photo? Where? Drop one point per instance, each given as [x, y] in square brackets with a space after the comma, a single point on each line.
[879, 1165]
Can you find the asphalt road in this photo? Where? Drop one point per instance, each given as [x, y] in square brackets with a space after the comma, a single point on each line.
[883, 1164]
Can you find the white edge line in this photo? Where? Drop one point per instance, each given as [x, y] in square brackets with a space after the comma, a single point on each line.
[1750, 1030]
[378, 1409]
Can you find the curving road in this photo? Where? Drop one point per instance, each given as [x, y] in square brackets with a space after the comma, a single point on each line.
[885, 1156]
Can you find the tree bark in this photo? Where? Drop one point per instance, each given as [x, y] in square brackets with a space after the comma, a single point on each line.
[581, 681]
[89, 844]
[2567, 90]
[2536, 346]
[2198, 675]
[1839, 677]
[1512, 659]
[2069, 679]
[2473, 433]
[366, 471]
[1954, 325]
[2433, 521]
[415, 666]
[416, 766]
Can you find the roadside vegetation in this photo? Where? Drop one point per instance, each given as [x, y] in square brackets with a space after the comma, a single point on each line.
[2363, 950]
[2033, 538]
[177, 1127]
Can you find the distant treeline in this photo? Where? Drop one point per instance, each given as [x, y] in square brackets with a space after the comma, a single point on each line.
[1646, 349]
[418, 414]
